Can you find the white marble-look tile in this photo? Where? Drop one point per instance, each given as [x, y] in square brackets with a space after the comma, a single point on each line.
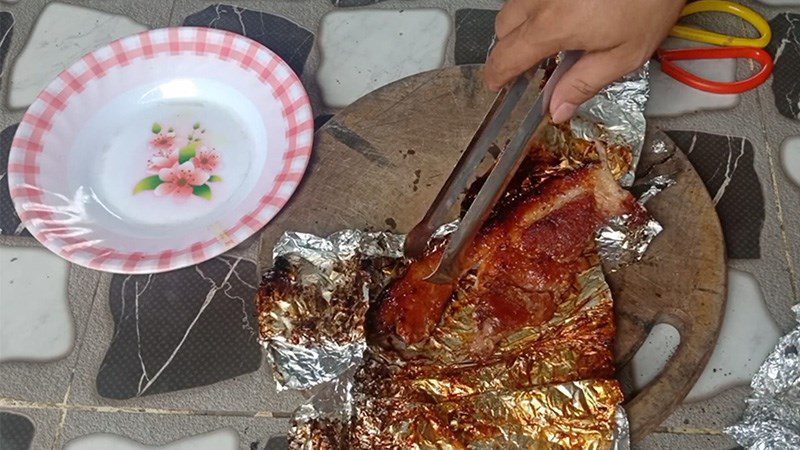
[365, 49]
[790, 158]
[222, 439]
[35, 321]
[669, 97]
[62, 34]
[747, 336]
[652, 356]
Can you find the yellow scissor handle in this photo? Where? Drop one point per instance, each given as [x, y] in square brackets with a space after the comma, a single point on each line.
[699, 35]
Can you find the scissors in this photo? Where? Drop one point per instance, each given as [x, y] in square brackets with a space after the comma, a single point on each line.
[728, 47]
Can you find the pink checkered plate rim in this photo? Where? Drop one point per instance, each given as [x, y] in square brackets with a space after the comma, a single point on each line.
[160, 150]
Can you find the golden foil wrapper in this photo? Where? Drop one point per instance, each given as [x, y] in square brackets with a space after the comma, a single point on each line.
[577, 414]
[545, 387]
[559, 144]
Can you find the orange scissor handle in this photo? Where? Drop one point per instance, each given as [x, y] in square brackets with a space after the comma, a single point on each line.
[718, 87]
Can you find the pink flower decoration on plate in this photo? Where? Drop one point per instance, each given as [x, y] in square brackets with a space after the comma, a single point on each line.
[206, 159]
[163, 141]
[180, 180]
[162, 160]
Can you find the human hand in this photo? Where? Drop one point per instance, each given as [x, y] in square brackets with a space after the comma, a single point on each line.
[617, 35]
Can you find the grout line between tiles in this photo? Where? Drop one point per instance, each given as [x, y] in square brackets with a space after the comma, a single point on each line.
[793, 276]
[79, 340]
[12, 403]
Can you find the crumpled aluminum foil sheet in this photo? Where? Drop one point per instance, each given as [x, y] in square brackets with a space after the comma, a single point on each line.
[329, 287]
[625, 238]
[616, 115]
[772, 418]
[323, 366]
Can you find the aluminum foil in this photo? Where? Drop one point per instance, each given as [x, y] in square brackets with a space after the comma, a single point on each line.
[624, 239]
[772, 418]
[573, 415]
[313, 302]
[616, 115]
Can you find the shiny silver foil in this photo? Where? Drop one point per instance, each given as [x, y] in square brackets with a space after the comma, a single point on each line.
[616, 115]
[325, 268]
[624, 239]
[772, 418]
[622, 432]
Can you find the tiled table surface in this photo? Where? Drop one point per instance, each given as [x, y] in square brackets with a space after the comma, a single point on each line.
[91, 360]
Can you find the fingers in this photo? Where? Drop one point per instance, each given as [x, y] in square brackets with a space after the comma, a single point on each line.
[586, 78]
[513, 14]
[520, 50]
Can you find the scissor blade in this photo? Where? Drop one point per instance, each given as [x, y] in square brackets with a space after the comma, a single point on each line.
[449, 267]
[484, 136]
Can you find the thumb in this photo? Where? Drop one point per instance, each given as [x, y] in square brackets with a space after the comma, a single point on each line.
[587, 77]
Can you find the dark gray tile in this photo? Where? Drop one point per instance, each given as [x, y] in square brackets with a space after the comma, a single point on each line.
[725, 164]
[321, 120]
[474, 33]
[181, 329]
[6, 32]
[16, 431]
[785, 48]
[290, 41]
[9, 220]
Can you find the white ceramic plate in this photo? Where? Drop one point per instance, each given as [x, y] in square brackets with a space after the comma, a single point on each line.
[160, 150]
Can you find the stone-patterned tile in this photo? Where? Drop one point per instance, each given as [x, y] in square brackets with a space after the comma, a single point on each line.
[62, 34]
[6, 32]
[691, 441]
[365, 49]
[669, 97]
[164, 429]
[785, 47]
[182, 329]
[747, 336]
[195, 330]
[718, 412]
[49, 381]
[725, 164]
[286, 38]
[790, 159]
[9, 221]
[223, 439]
[23, 429]
[652, 356]
[16, 431]
[35, 323]
[474, 33]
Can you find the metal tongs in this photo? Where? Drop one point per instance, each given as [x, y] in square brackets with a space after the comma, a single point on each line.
[450, 265]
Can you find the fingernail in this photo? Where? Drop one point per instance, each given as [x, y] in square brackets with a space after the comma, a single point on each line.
[564, 112]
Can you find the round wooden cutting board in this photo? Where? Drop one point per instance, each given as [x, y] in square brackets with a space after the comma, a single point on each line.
[380, 162]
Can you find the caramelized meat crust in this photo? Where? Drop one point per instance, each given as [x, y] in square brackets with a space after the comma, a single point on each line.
[518, 269]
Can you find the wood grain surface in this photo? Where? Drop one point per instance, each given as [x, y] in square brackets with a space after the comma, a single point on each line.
[380, 162]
